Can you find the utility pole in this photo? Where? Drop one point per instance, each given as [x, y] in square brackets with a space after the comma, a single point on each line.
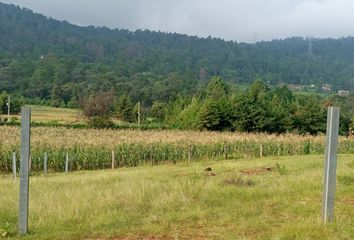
[139, 113]
[8, 108]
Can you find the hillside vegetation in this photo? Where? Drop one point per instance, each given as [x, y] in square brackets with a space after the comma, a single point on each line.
[172, 80]
[51, 60]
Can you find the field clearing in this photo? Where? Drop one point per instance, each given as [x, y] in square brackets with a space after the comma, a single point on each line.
[185, 202]
[51, 114]
[65, 115]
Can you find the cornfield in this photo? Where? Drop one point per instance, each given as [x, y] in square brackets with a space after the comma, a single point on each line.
[91, 149]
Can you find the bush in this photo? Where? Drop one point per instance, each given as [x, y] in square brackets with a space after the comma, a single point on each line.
[101, 104]
[101, 122]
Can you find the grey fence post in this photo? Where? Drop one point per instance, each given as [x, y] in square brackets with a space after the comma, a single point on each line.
[24, 170]
[67, 163]
[14, 171]
[330, 165]
[45, 164]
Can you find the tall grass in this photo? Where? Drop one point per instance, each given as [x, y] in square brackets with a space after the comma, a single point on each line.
[91, 149]
[185, 202]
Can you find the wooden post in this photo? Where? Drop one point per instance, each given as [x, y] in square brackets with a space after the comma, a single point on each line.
[225, 151]
[14, 169]
[330, 163]
[24, 171]
[45, 164]
[261, 151]
[190, 154]
[113, 160]
[67, 163]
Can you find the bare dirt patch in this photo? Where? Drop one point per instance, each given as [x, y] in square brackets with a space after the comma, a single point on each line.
[136, 237]
[348, 201]
[257, 171]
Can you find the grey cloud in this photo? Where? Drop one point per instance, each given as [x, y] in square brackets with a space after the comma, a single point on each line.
[240, 20]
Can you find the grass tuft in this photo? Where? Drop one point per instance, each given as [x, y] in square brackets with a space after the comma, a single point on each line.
[346, 180]
[239, 181]
[281, 169]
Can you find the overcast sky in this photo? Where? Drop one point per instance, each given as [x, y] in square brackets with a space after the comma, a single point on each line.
[240, 20]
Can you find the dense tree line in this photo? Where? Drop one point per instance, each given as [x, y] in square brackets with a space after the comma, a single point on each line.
[219, 106]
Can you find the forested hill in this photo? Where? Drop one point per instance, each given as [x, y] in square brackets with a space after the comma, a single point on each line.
[45, 58]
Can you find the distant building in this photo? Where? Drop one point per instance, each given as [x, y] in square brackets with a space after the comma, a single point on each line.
[311, 88]
[327, 87]
[343, 93]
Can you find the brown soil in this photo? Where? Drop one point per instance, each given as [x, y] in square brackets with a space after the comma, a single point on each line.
[348, 201]
[135, 238]
[257, 171]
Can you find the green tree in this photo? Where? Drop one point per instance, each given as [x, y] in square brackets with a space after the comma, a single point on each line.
[124, 108]
[158, 110]
[215, 115]
[281, 106]
[217, 89]
[55, 99]
[216, 112]
[188, 118]
[174, 109]
[310, 116]
[251, 112]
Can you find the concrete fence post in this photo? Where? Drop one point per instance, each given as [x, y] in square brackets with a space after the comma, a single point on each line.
[24, 171]
[330, 164]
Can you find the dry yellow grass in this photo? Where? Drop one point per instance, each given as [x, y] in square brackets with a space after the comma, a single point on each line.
[10, 136]
[47, 114]
[92, 148]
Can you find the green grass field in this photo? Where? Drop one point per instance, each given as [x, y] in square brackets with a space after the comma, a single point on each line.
[242, 201]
